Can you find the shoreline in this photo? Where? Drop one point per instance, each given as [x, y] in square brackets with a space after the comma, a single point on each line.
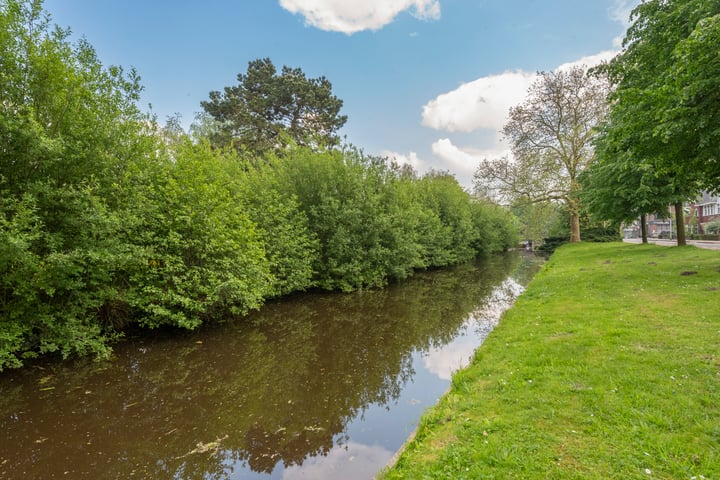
[586, 376]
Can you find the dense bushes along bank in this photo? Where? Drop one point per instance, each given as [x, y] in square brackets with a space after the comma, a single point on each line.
[107, 220]
[205, 234]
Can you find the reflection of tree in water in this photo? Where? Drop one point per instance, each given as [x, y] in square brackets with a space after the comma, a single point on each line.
[278, 386]
[264, 454]
[529, 265]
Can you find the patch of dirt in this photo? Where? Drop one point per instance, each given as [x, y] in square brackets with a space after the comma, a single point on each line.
[652, 263]
[685, 274]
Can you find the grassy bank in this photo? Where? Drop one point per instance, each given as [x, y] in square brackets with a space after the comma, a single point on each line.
[608, 366]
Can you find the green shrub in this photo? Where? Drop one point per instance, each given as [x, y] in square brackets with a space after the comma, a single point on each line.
[203, 255]
[56, 279]
[712, 227]
[600, 234]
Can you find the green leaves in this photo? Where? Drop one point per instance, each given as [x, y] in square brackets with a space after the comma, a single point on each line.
[341, 195]
[664, 107]
[52, 283]
[291, 249]
[374, 224]
[203, 257]
[63, 116]
[108, 220]
[659, 143]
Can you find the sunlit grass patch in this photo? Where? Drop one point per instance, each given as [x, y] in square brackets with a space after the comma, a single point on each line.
[608, 366]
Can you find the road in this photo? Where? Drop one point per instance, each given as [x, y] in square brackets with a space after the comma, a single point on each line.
[711, 245]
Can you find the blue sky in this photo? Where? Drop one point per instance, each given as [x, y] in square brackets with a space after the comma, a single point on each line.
[428, 82]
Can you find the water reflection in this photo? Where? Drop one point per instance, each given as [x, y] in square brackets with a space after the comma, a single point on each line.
[274, 396]
[364, 458]
[456, 354]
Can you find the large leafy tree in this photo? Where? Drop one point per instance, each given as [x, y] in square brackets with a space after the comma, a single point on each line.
[620, 189]
[551, 136]
[695, 117]
[664, 105]
[266, 109]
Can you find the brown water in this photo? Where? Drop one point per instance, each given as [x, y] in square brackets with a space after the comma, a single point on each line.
[316, 386]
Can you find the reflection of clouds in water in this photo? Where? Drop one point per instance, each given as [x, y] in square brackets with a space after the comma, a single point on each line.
[445, 360]
[353, 461]
[500, 299]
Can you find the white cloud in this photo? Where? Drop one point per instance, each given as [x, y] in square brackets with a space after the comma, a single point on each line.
[590, 60]
[485, 102]
[446, 360]
[463, 162]
[460, 162]
[411, 159]
[366, 460]
[445, 149]
[620, 12]
[482, 103]
[353, 16]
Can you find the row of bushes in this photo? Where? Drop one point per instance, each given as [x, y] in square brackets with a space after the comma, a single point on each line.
[204, 234]
[704, 236]
[592, 234]
[180, 233]
[107, 220]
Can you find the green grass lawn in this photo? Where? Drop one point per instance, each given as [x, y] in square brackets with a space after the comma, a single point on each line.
[608, 366]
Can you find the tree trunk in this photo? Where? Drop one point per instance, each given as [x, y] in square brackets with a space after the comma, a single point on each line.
[680, 224]
[574, 227]
[643, 227]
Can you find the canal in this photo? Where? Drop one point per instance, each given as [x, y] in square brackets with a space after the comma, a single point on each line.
[313, 386]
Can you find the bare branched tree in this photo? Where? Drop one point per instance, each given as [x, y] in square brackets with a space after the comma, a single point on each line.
[551, 136]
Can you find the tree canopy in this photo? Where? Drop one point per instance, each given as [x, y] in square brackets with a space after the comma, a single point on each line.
[660, 140]
[70, 135]
[664, 107]
[266, 108]
[619, 188]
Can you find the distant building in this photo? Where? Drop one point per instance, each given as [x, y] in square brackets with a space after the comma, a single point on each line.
[659, 225]
[662, 225]
[708, 209]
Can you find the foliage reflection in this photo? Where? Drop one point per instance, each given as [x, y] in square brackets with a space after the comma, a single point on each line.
[265, 393]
